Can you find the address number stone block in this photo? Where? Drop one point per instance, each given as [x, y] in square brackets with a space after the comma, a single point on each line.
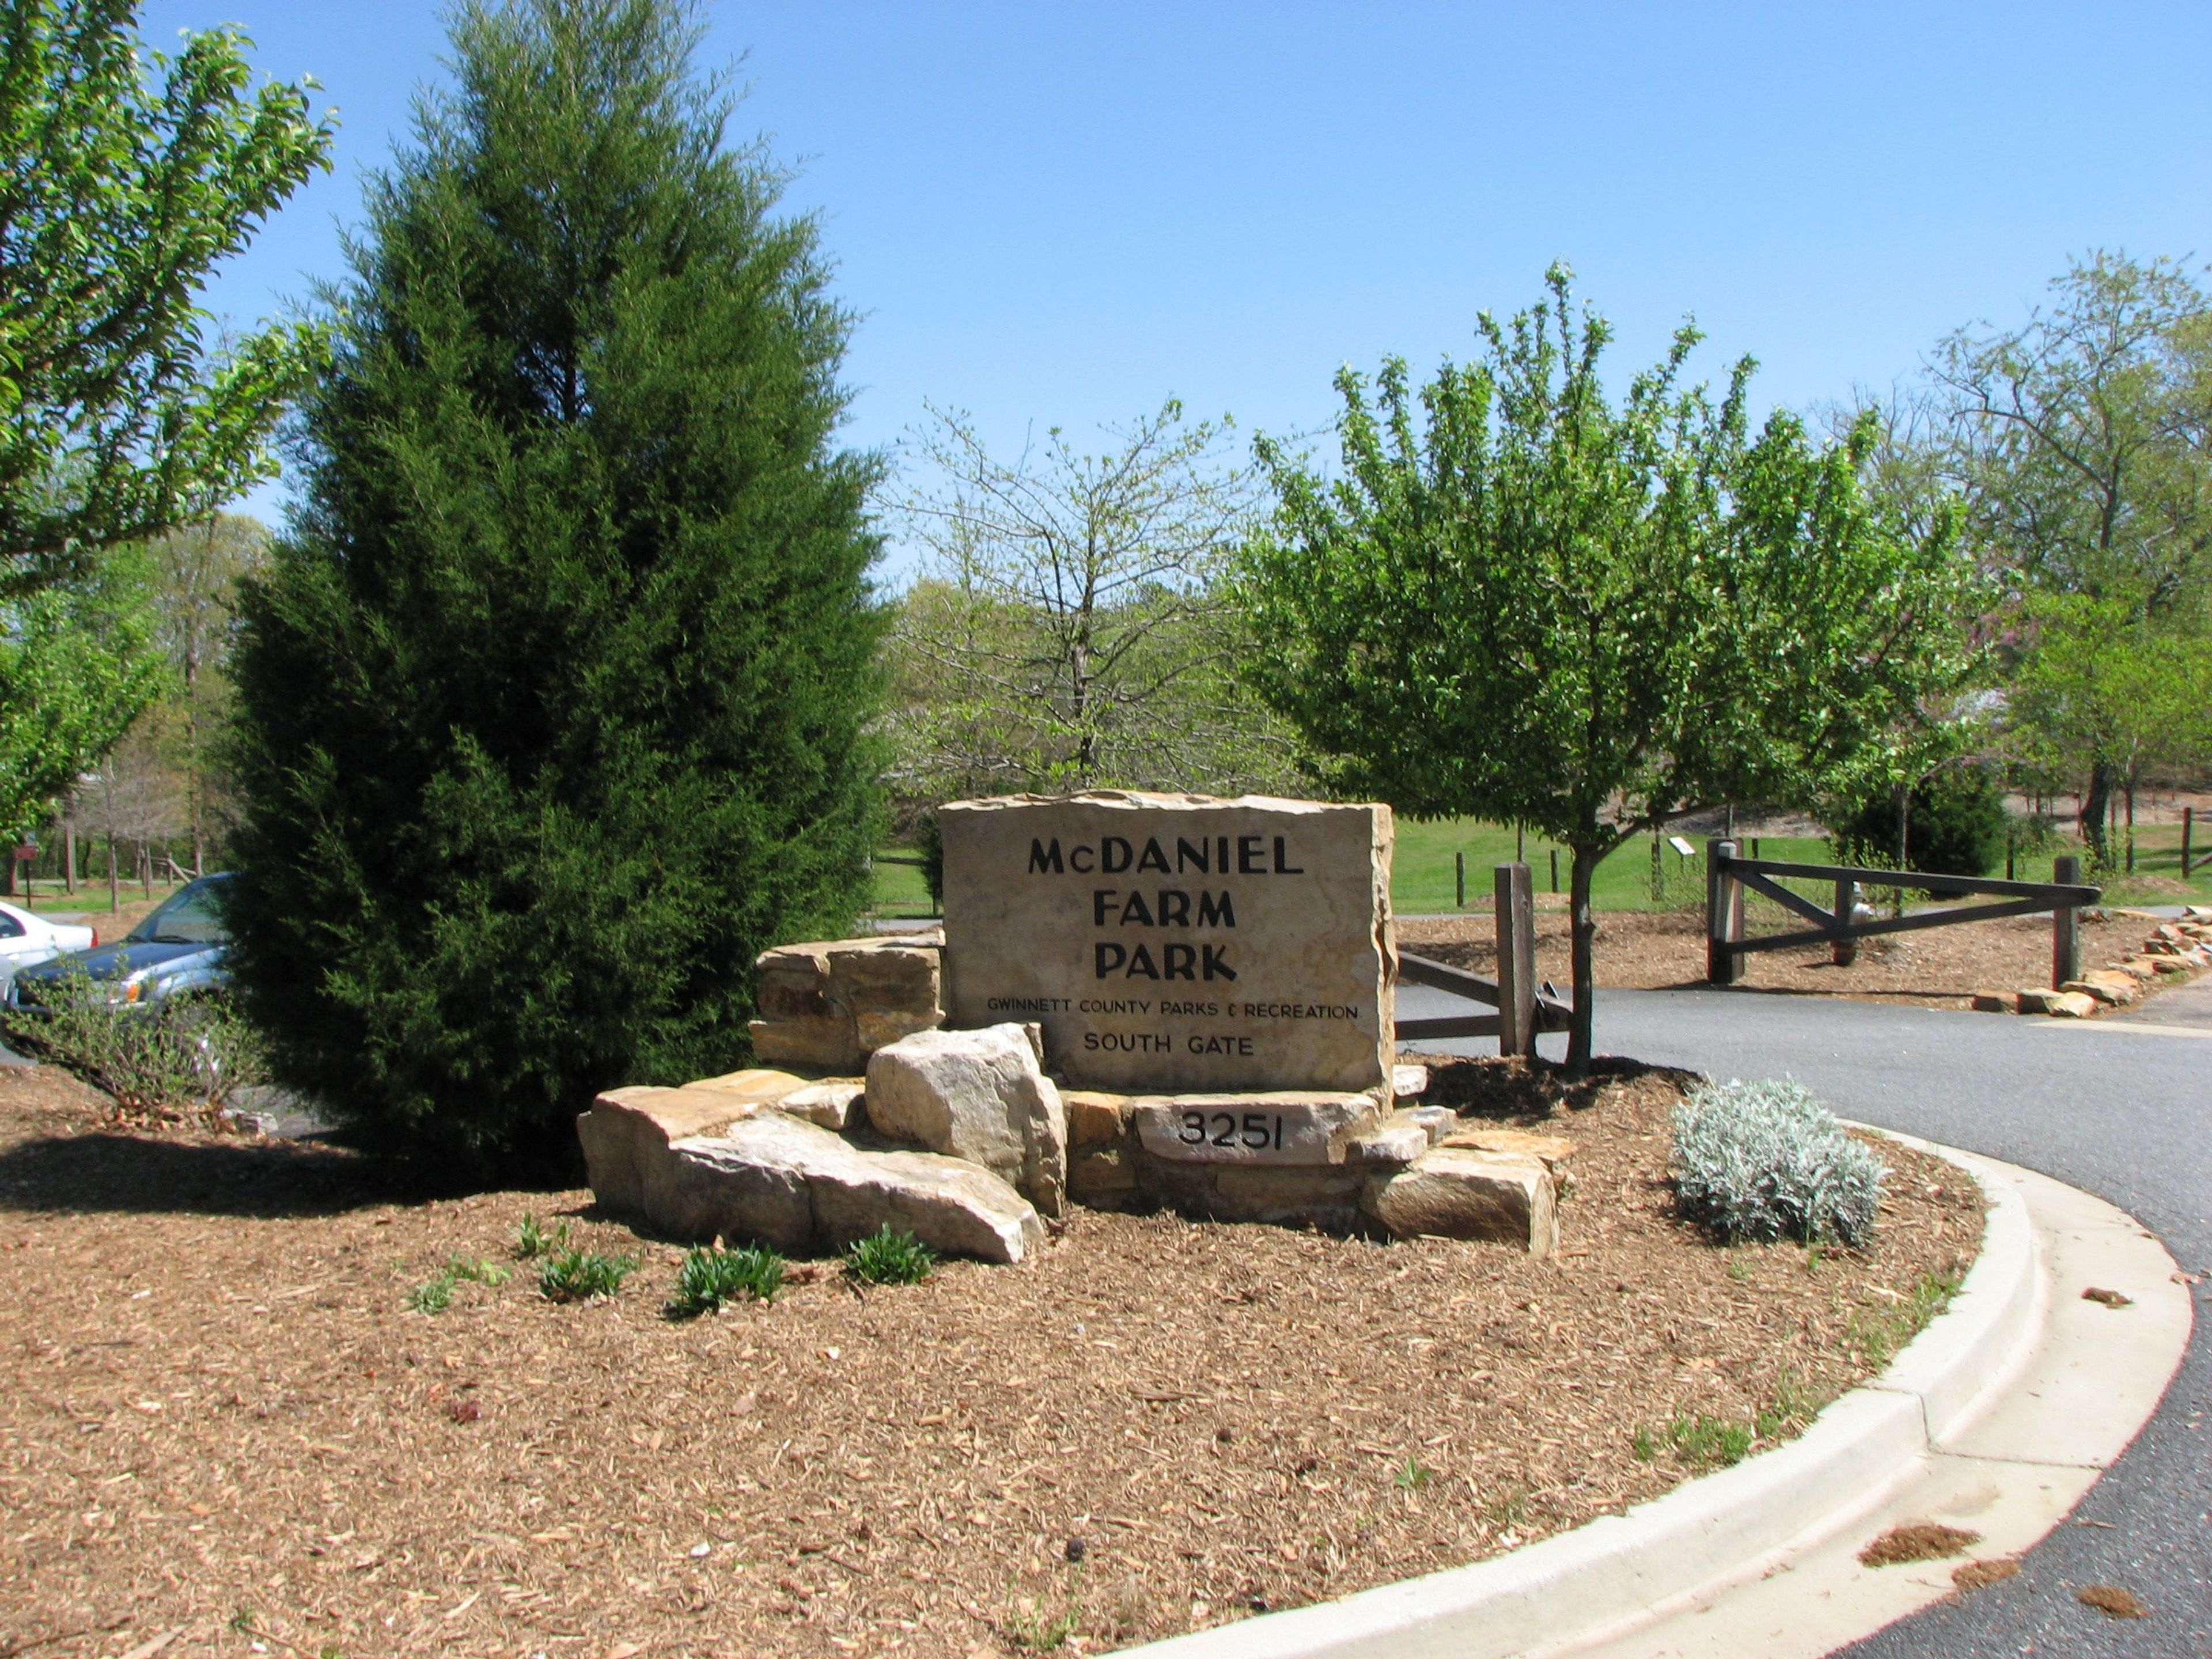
[1169, 943]
[1263, 1126]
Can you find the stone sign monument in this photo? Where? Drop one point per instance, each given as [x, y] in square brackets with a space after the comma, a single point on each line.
[1137, 1000]
[1177, 944]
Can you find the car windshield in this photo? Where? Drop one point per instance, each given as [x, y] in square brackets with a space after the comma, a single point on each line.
[189, 918]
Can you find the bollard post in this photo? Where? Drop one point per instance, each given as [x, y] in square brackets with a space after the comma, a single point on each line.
[1723, 914]
[1517, 960]
[2065, 924]
[1459, 873]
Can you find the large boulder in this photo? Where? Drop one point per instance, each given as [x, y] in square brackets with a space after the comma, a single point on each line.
[627, 1133]
[979, 1096]
[1461, 1192]
[772, 1177]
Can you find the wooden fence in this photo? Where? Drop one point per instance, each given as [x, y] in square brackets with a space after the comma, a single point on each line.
[1728, 877]
[1523, 1009]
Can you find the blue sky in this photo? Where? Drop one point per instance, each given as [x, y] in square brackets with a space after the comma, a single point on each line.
[1060, 213]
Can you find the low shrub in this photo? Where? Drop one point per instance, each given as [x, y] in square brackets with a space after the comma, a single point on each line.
[1765, 1160]
[885, 1257]
[710, 1277]
[582, 1275]
[1955, 825]
[169, 1060]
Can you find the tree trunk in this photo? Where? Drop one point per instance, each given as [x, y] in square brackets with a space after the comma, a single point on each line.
[69, 853]
[2096, 807]
[1585, 946]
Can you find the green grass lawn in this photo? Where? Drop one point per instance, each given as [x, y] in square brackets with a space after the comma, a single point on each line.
[1423, 878]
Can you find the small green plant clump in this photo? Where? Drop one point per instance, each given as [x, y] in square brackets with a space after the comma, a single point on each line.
[887, 1257]
[1880, 1332]
[188, 1055]
[1027, 1626]
[1765, 1160]
[534, 1239]
[1707, 1443]
[1412, 1475]
[435, 1295]
[582, 1275]
[711, 1276]
[1700, 1441]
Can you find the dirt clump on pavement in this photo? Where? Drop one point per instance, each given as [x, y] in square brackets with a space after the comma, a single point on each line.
[220, 1415]
[1920, 1541]
[2113, 1600]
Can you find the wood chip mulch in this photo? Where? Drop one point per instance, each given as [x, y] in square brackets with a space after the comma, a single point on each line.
[221, 1422]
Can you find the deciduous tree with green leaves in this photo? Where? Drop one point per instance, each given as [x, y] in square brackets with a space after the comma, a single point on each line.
[77, 666]
[2078, 441]
[121, 190]
[552, 702]
[1520, 600]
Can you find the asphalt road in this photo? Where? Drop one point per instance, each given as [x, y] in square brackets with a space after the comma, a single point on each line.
[2124, 1113]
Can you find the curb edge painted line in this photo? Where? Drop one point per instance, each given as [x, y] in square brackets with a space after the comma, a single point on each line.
[1609, 1573]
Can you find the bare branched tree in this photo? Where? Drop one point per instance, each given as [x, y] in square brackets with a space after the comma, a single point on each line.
[1071, 628]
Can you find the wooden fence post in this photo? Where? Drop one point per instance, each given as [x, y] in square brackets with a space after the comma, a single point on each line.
[1846, 952]
[2065, 924]
[2188, 823]
[1459, 871]
[1517, 960]
[1723, 914]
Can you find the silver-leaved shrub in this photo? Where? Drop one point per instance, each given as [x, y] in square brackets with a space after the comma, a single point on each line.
[1765, 1160]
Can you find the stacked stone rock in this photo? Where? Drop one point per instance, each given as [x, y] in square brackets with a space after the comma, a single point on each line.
[2173, 949]
[1341, 1157]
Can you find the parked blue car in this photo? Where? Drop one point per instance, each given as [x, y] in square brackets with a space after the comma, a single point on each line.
[177, 951]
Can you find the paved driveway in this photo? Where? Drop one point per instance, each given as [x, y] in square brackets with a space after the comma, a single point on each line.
[2126, 1113]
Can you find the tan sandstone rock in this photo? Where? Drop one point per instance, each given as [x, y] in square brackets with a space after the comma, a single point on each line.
[1461, 1192]
[1100, 1176]
[628, 1130]
[2062, 1005]
[831, 1103]
[761, 1084]
[2116, 989]
[1997, 1002]
[1094, 1118]
[827, 1005]
[1177, 942]
[1552, 1149]
[977, 1095]
[1272, 1126]
[781, 1181]
[1437, 1121]
[1388, 1143]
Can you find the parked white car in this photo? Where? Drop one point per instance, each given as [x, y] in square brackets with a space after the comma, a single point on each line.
[26, 940]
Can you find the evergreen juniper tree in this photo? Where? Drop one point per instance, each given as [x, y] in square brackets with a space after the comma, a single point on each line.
[554, 698]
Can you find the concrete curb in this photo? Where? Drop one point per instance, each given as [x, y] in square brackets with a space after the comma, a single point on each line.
[1615, 1572]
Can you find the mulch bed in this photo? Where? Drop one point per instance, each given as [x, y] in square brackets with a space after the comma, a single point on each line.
[1935, 968]
[218, 1416]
